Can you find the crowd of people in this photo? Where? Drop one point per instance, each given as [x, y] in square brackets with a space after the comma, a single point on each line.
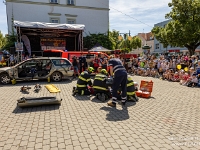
[183, 68]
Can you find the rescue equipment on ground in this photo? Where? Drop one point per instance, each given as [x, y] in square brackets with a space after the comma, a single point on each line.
[146, 88]
[37, 88]
[13, 81]
[25, 89]
[52, 88]
[48, 79]
[37, 101]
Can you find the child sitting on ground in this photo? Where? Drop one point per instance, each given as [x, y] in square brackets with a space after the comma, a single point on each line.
[175, 77]
[193, 82]
[185, 78]
[165, 75]
[148, 72]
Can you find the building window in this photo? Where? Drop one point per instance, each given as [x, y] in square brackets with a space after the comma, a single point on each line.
[157, 46]
[71, 21]
[70, 2]
[54, 20]
[54, 1]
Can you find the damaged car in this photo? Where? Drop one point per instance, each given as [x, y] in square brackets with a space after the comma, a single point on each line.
[38, 68]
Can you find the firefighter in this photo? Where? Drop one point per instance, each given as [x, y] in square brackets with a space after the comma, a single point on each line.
[83, 82]
[120, 79]
[131, 96]
[100, 87]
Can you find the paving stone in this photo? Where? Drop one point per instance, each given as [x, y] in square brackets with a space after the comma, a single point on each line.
[150, 124]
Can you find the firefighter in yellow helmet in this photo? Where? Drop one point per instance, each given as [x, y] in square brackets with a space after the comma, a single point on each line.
[100, 87]
[83, 82]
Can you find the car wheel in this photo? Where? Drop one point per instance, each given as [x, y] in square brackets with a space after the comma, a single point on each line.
[4, 79]
[56, 76]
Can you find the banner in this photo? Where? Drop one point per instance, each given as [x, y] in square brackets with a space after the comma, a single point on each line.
[27, 43]
[19, 46]
[52, 43]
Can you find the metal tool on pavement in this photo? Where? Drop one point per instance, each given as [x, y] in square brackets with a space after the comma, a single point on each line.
[37, 101]
[37, 88]
[25, 88]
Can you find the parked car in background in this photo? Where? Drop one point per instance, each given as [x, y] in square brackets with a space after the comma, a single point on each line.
[38, 68]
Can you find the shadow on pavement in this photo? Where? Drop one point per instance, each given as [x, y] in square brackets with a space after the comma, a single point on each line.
[19, 110]
[95, 100]
[82, 97]
[116, 114]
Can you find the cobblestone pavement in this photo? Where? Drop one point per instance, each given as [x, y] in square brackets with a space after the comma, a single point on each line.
[168, 120]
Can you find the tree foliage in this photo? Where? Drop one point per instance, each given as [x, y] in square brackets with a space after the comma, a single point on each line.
[132, 43]
[101, 39]
[111, 41]
[10, 41]
[114, 37]
[2, 41]
[184, 28]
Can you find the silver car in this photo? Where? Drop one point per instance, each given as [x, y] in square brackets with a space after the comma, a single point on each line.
[38, 68]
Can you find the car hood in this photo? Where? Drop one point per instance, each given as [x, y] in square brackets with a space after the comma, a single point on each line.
[4, 69]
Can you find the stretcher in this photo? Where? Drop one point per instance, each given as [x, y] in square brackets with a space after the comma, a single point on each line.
[37, 101]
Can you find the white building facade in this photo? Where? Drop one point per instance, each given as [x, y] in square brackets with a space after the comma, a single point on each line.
[94, 14]
[159, 48]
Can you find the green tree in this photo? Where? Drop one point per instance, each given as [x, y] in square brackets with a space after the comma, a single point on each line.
[10, 41]
[93, 39]
[129, 44]
[2, 41]
[184, 28]
[11, 38]
[114, 38]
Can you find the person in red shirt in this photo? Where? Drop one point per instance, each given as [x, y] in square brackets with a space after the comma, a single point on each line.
[175, 77]
[96, 63]
[185, 78]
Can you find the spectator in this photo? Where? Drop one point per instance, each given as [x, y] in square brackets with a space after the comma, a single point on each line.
[96, 63]
[75, 65]
[82, 63]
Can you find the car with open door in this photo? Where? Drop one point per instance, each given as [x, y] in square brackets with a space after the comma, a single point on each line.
[38, 68]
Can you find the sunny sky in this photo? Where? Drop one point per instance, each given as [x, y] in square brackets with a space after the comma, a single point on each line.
[124, 15]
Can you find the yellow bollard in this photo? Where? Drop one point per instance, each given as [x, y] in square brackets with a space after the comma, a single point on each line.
[48, 79]
[13, 81]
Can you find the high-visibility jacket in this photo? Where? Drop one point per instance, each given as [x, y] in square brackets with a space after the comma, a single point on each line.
[130, 87]
[84, 80]
[100, 82]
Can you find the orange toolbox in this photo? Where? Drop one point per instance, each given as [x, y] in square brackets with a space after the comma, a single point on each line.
[146, 88]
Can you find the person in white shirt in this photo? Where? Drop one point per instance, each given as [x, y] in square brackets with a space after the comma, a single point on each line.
[193, 82]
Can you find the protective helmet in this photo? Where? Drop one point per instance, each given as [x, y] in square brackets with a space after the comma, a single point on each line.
[90, 69]
[103, 71]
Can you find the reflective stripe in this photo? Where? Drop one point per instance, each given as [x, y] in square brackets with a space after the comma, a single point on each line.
[129, 79]
[82, 92]
[130, 84]
[82, 78]
[80, 85]
[116, 67]
[86, 80]
[100, 75]
[100, 88]
[99, 79]
[124, 97]
[130, 93]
